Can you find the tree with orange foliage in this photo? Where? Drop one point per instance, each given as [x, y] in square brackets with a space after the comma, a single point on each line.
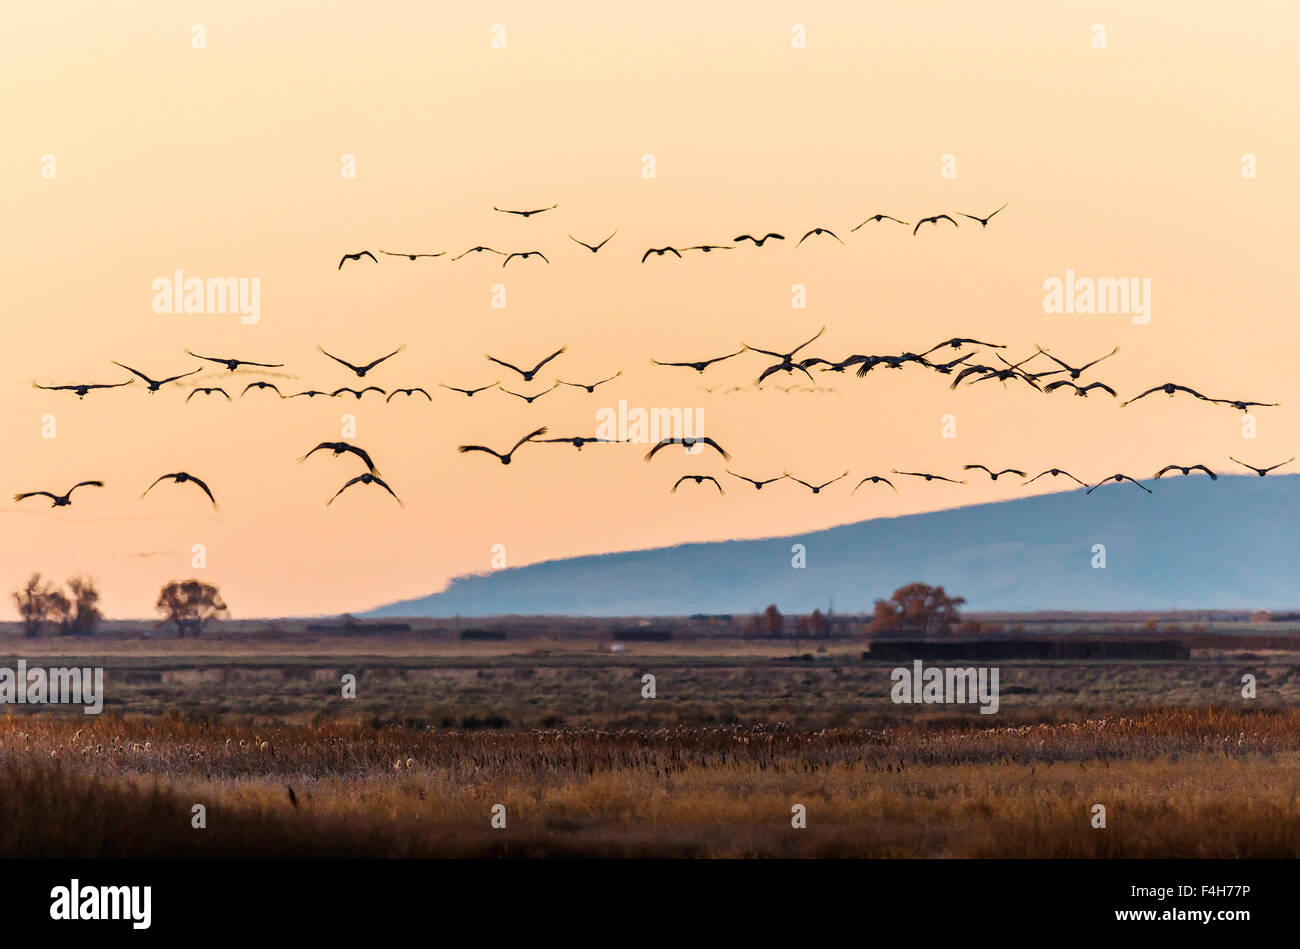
[917, 608]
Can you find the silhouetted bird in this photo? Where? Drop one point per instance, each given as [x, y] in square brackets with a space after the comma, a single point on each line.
[469, 393]
[207, 390]
[1262, 471]
[1168, 389]
[1117, 478]
[525, 213]
[877, 218]
[994, 474]
[819, 231]
[261, 385]
[760, 241]
[528, 373]
[366, 478]
[480, 249]
[687, 442]
[984, 221]
[698, 479]
[82, 388]
[592, 386]
[233, 364]
[412, 256]
[702, 364]
[593, 247]
[530, 398]
[180, 477]
[927, 477]
[362, 370]
[1076, 373]
[815, 488]
[338, 448]
[357, 256]
[875, 479]
[156, 384]
[577, 441]
[958, 341]
[1186, 470]
[1243, 406]
[357, 393]
[504, 459]
[524, 255]
[409, 391]
[709, 248]
[59, 500]
[758, 485]
[1055, 472]
[660, 251]
[933, 219]
[1081, 391]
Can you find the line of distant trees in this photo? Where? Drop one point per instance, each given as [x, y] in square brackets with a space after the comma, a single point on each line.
[45, 606]
[916, 609]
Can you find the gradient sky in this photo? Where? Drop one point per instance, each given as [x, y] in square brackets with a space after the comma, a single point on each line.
[226, 161]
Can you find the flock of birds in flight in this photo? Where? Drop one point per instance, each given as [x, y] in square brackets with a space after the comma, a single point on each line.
[962, 368]
[933, 219]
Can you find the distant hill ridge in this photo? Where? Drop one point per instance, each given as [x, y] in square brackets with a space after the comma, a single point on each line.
[1192, 544]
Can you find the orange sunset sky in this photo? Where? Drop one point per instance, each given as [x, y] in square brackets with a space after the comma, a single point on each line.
[226, 161]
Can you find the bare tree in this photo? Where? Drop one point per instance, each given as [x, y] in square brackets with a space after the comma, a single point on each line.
[33, 600]
[187, 603]
[85, 615]
[917, 608]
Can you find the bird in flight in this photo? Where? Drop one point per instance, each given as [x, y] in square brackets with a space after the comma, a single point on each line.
[1117, 478]
[505, 459]
[593, 247]
[875, 479]
[411, 256]
[1262, 471]
[687, 442]
[338, 448]
[523, 255]
[945, 368]
[577, 441]
[994, 474]
[530, 398]
[356, 392]
[362, 370]
[1168, 389]
[1186, 470]
[207, 390]
[60, 500]
[958, 341]
[155, 385]
[366, 478]
[815, 488]
[480, 249]
[357, 256]
[1076, 373]
[787, 363]
[1243, 406]
[525, 213]
[260, 385]
[528, 373]
[309, 393]
[411, 392]
[233, 364]
[758, 485]
[984, 221]
[698, 479]
[1078, 390]
[1055, 472]
[469, 393]
[708, 248]
[933, 219]
[702, 364]
[927, 477]
[592, 386]
[660, 251]
[83, 388]
[180, 477]
[878, 218]
[760, 241]
[818, 231]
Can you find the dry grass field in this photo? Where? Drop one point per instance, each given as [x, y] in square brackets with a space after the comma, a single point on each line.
[1175, 783]
[558, 733]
